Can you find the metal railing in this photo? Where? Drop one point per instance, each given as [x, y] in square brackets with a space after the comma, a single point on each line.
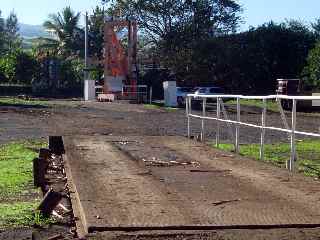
[220, 109]
[138, 92]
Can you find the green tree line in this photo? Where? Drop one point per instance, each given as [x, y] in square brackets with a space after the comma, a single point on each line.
[197, 41]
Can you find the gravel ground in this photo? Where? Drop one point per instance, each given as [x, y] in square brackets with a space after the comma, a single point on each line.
[67, 118]
[75, 117]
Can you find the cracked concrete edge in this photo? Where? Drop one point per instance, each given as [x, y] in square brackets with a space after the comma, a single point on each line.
[78, 211]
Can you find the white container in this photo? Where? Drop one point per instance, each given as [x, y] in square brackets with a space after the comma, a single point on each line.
[170, 93]
[89, 90]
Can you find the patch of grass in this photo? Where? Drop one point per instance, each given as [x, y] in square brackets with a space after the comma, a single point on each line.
[160, 106]
[17, 197]
[271, 104]
[23, 102]
[16, 214]
[308, 154]
[16, 167]
[21, 214]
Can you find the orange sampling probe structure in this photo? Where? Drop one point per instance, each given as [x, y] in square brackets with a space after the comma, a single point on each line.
[120, 63]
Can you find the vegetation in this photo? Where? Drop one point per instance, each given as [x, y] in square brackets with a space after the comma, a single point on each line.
[18, 67]
[18, 199]
[250, 62]
[312, 69]
[25, 102]
[65, 26]
[308, 154]
[196, 42]
[271, 104]
[155, 106]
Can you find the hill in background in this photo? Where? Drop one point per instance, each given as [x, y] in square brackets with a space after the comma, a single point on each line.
[32, 31]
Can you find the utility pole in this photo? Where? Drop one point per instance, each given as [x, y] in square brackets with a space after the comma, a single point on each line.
[86, 47]
[89, 84]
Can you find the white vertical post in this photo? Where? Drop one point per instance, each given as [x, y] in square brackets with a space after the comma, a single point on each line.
[293, 135]
[204, 102]
[263, 130]
[150, 95]
[188, 107]
[218, 123]
[237, 149]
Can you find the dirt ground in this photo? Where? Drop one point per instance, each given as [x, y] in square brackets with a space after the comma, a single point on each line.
[76, 117]
[70, 118]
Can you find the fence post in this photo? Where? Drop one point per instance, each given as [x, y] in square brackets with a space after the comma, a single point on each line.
[188, 108]
[237, 149]
[150, 95]
[293, 134]
[204, 102]
[218, 123]
[263, 130]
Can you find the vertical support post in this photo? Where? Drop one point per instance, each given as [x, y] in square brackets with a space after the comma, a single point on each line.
[150, 95]
[107, 46]
[218, 123]
[263, 130]
[86, 47]
[204, 103]
[293, 134]
[133, 69]
[237, 149]
[188, 110]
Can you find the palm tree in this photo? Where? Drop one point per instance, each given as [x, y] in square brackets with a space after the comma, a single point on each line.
[68, 36]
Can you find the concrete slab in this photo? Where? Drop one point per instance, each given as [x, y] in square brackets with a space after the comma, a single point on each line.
[156, 183]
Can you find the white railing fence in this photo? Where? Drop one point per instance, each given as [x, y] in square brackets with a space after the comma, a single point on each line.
[221, 116]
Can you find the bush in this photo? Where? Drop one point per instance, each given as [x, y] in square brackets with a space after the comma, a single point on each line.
[18, 67]
[312, 70]
[71, 73]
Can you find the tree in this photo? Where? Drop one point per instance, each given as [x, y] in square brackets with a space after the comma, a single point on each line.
[2, 34]
[65, 26]
[96, 33]
[312, 69]
[175, 28]
[19, 67]
[316, 28]
[158, 18]
[13, 40]
[250, 62]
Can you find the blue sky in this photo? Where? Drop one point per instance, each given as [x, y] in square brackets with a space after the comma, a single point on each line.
[255, 11]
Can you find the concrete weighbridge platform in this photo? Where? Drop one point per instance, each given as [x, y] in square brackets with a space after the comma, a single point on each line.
[140, 183]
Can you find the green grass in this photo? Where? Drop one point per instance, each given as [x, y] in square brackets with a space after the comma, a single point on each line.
[21, 214]
[160, 106]
[271, 104]
[308, 154]
[18, 102]
[17, 196]
[16, 214]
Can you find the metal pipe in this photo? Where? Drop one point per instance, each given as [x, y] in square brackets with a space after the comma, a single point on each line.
[218, 123]
[293, 137]
[258, 97]
[86, 47]
[263, 129]
[257, 126]
[150, 95]
[204, 102]
[188, 106]
[237, 149]
[292, 131]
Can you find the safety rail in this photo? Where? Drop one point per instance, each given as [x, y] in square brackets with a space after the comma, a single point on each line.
[220, 107]
[139, 92]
